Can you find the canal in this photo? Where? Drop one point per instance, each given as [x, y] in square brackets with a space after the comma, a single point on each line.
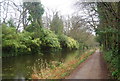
[21, 67]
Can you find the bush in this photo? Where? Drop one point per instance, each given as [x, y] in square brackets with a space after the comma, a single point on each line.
[32, 42]
[8, 32]
[14, 47]
[9, 46]
[67, 42]
[17, 44]
[49, 39]
[114, 63]
[32, 45]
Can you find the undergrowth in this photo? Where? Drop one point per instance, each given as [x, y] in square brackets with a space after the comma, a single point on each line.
[113, 64]
[59, 70]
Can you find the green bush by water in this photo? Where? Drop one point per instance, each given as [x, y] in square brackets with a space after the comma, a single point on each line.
[49, 39]
[26, 42]
[14, 44]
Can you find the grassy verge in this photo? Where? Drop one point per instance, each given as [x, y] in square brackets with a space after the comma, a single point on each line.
[61, 70]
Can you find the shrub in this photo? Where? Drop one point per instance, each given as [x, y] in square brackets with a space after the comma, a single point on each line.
[17, 44]
[67, 42]
[32, 42]
[72, 43]
[113, 62]
[8, 32]
[49, 39]
[8, 46]
[32, 45]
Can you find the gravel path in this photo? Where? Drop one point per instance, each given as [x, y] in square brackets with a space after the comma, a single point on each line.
[93, 68]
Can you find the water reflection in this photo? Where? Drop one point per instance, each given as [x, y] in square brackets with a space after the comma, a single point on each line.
[21, 67]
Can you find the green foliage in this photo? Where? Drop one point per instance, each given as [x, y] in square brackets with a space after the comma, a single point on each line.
[113, 62]
[7, 31]
[17, 44]
[32, 42]
[86, 39]
[108, 35]
[72, 43]
[57, 24]
[49, 39]
[35, 10]
[11, 22]
[30, 28]
[34, 37]
[106, 30]
[13, 47]
[67, 42]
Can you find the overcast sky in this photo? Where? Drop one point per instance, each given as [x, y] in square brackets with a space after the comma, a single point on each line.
[64, 6]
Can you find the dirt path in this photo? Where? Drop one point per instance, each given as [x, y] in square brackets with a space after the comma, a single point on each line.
[93, 68]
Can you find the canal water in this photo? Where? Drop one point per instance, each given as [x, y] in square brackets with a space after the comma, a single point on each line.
[21, 67]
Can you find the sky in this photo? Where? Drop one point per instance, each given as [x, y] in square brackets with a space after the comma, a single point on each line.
[65, 7]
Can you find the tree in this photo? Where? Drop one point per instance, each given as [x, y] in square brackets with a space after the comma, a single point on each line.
[11, 23]
[11, 10]
[35, 10]
[89, 9]
[57, 24]
[79, 30]
[108, 29]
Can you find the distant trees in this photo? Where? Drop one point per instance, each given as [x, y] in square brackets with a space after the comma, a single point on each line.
[77, 28]
[56, 24]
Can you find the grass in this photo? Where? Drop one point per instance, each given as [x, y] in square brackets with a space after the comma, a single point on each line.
[59, 70]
